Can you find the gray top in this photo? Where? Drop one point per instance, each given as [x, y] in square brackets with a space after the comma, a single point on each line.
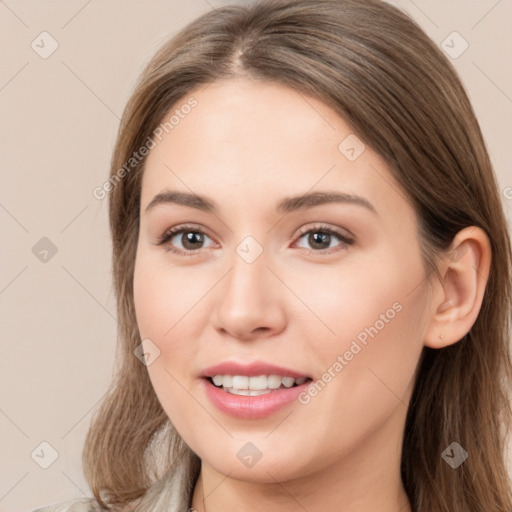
[170, 494]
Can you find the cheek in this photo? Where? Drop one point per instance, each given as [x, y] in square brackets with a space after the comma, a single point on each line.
[371, 344]
[359, 299]
[171, 311]
[166, 297]
[164, 306]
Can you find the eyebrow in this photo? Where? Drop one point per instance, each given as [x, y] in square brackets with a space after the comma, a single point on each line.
[286, 205]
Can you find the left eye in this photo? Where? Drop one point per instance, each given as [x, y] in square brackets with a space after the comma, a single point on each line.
[320, 239]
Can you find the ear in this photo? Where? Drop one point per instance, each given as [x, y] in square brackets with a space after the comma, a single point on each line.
[464, 271]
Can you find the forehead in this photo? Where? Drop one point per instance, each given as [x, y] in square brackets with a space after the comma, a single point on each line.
[253, 142]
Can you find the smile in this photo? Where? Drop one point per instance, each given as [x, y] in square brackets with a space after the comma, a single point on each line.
[252, 390]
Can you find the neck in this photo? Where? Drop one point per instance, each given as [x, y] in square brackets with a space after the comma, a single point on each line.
[367, 478]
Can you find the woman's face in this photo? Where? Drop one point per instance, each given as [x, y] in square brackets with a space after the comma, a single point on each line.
[331, 290]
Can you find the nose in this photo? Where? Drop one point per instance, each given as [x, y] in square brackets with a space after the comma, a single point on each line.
[250, 303]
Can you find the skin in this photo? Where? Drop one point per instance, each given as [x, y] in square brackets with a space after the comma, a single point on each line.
[246, 146]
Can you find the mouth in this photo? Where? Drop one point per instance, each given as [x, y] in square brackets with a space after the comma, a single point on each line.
[250, 395]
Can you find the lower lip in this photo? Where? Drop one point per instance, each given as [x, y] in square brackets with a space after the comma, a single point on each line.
[252, 407]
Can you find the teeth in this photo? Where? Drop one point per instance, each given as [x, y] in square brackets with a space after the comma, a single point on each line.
[274, 381]
[288, 382]
[240, 382]
[218, 380]
[257, 383]
[253, 386]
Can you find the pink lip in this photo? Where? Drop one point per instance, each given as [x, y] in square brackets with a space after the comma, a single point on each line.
[251, 407]
[251, 370]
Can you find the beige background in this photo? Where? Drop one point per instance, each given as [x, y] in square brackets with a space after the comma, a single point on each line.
[59, 120]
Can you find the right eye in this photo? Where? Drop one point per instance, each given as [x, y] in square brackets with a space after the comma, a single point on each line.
[191, 239]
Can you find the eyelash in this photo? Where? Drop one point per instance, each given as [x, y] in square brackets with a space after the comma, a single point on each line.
[169, 234]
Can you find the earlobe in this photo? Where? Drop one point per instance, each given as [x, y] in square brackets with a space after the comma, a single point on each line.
[464, 271]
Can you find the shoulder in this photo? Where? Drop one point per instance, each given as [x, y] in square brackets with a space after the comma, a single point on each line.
[76, 505]
[172, 493]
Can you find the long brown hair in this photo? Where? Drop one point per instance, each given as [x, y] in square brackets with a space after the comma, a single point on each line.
[379, 71]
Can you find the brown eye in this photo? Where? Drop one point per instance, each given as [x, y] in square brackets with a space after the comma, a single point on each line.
[190, 240]
[321, 238]
[184, 240]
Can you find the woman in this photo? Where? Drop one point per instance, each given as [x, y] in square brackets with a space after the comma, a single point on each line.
[313, 275]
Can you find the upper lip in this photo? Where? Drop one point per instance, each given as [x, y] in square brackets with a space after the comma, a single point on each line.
[252, 369]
